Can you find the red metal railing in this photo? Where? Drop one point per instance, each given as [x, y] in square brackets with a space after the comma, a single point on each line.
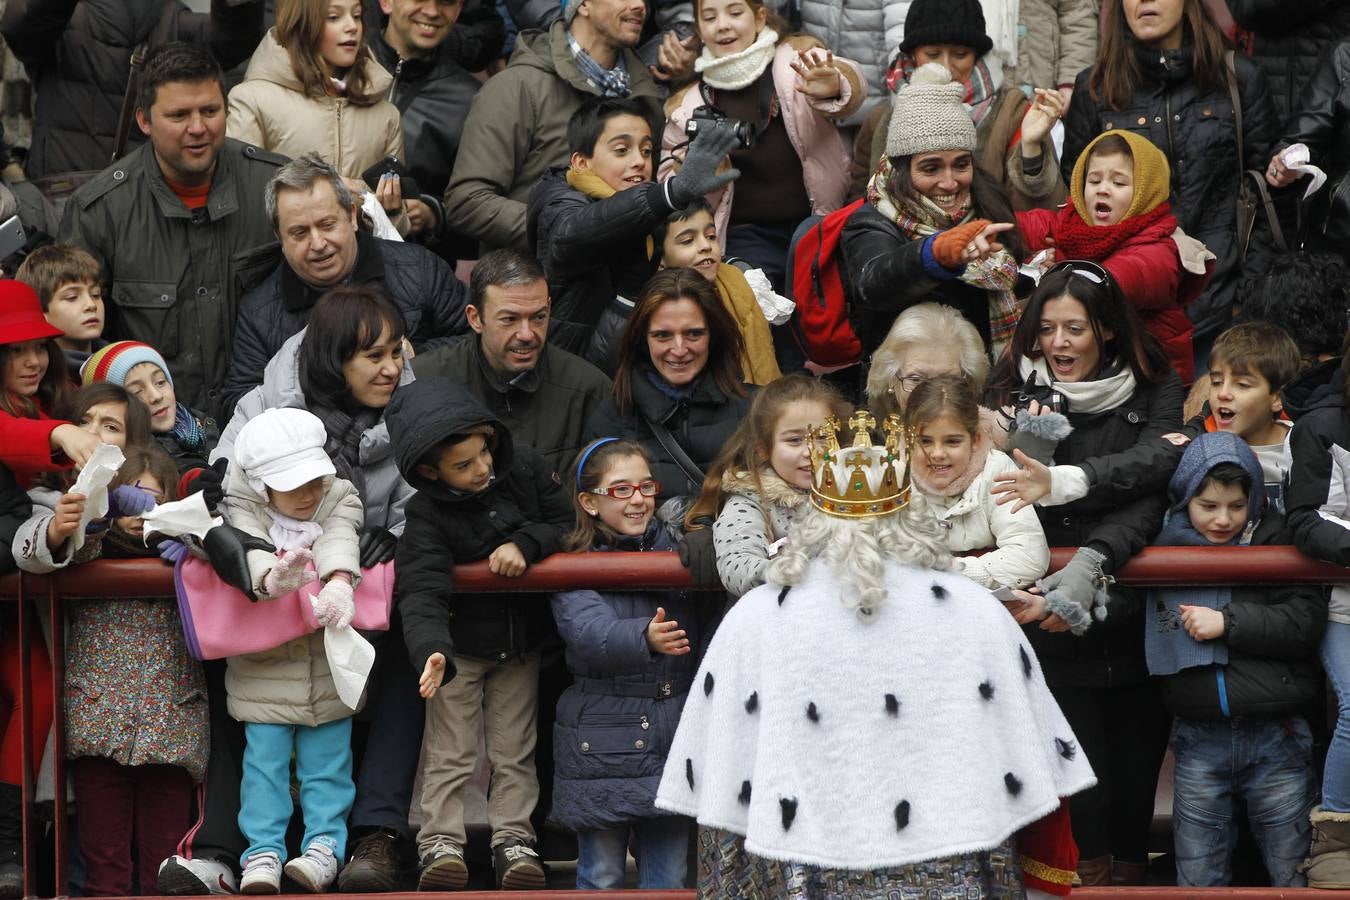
[113, 580]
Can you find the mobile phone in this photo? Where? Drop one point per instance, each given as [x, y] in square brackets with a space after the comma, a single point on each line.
[1003, 595]
[12, 237]
[391, 165]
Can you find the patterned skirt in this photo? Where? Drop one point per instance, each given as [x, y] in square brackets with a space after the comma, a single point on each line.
[727, 870]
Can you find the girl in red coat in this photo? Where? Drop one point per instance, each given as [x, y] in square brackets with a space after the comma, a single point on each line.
[1118, 216]
[33, 372]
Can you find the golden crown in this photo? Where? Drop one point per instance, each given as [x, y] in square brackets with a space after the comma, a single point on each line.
[863, 479]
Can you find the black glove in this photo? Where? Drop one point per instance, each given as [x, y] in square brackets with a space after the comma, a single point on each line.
[698, 173]
[697, 555]
[211, 483]
[227, 548]
[377, 546]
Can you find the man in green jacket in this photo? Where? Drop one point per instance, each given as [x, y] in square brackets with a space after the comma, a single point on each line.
[517, 125]
[171, 222]
[541, 392]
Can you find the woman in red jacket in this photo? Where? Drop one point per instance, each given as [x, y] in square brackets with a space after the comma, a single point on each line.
[1119, 216]
[34, 383]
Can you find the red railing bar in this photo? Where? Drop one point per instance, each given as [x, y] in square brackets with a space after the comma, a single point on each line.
[1151, 567]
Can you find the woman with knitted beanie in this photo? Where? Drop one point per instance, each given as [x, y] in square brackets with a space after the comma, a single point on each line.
[1021, 159]
[1119, 216]
[926, 231]
[791, 89]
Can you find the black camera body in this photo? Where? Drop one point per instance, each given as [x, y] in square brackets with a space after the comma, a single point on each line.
[1041, 393]
[706, 116]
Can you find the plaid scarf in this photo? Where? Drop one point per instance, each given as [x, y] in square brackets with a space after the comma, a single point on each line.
[980, 92]
[918, 217]
[610, 82]
[187, 431]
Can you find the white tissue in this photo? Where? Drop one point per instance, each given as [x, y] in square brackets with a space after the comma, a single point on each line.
[379, 219]
[1039, 264]
[350, 658]
[188, 516]
[93, 484]
[1296, 157]
[776, 308]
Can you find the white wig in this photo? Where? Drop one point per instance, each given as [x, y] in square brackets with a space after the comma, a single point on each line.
[857, 550]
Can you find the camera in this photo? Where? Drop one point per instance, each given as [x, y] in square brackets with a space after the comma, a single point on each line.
[1043, 394]
[706, 116]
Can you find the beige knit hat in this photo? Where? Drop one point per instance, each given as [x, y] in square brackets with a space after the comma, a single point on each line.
[929, 115]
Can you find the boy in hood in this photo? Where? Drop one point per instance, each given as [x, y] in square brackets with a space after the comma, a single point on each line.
[1239, 668]
[478, 497]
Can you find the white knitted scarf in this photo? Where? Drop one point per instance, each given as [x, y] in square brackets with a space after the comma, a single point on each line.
[293, 534]
[741, 69]
[1102, 394]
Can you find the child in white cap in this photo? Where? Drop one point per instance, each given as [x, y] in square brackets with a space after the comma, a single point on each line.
[282, 487]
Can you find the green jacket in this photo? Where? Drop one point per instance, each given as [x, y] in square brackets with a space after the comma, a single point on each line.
[546, 407]
[517, 129]
[173, 277]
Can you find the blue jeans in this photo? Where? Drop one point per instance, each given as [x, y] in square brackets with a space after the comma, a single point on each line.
[1267, 762]
[662, 855]
[323, 765]
[1336, 775]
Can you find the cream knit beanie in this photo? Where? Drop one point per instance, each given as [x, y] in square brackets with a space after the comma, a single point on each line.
[929, 115]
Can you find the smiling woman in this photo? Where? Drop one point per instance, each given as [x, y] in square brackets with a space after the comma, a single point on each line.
[678, 384]
[312, 85]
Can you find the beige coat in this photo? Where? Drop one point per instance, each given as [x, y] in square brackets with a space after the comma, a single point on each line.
[270, 109]
[291, 684]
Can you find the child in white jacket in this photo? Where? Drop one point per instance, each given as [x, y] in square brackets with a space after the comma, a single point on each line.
[282, 488]
[953, 467]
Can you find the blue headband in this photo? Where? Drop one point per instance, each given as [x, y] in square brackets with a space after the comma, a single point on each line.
[586, 454]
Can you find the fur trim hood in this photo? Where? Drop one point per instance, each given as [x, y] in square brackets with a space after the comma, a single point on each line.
[771, 487]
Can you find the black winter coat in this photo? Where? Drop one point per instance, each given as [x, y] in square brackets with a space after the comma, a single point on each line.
[884, 273]
[186, 459]
[593, 251]
[78, 55]
[433, 97]
[1128, 464]
[1290, 37]
[524, 505]
[15, 508]
[423, 285]
[700, 424]
[1321, 119]
[478, 36]
[1198, 133]
[1273, 634]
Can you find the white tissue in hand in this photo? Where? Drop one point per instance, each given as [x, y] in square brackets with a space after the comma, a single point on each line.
[776, 308]
[350, 657]
[1296, 157]
[379, 219]
[93, 483]
[187, 516]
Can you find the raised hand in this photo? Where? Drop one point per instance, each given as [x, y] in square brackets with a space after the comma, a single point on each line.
[817, 77]
[666, 636]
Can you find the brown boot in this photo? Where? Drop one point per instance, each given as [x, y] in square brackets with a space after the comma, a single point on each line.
[1328, 863]
[1128, 873]
[1095, 871]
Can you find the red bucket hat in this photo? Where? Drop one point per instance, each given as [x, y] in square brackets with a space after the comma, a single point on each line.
[21, 316]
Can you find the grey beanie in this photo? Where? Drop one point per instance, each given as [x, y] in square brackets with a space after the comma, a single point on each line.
[929, 114]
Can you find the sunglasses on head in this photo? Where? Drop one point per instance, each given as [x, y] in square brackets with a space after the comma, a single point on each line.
[1084, 268]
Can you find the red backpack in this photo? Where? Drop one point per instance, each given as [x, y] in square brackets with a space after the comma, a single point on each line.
[818, 290]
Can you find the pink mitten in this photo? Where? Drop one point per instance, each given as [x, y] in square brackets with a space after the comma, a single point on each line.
[333, 606]
[289, 574]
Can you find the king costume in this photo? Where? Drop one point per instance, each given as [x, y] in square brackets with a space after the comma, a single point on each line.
[906, 746]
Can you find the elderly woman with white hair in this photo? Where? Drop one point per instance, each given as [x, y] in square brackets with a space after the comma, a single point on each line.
[926, 340]
[871, 757]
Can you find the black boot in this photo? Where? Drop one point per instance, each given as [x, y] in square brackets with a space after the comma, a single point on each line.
[11, 841]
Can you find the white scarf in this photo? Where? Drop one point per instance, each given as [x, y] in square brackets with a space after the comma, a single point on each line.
[1085, 396]
[741, 69]
[293, 534]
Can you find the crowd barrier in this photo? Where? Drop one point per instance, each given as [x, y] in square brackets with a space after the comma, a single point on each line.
[133, 579]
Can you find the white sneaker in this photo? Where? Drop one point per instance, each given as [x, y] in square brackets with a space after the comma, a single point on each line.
[315, 871]
[262, 874]
[181, 877]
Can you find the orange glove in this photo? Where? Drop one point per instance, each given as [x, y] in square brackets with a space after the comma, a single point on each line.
[949, 247]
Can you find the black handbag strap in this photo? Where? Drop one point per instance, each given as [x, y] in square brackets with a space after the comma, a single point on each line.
[667, 441]
[1244, 174]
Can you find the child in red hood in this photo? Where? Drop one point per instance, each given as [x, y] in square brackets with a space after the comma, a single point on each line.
[1118, 215]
